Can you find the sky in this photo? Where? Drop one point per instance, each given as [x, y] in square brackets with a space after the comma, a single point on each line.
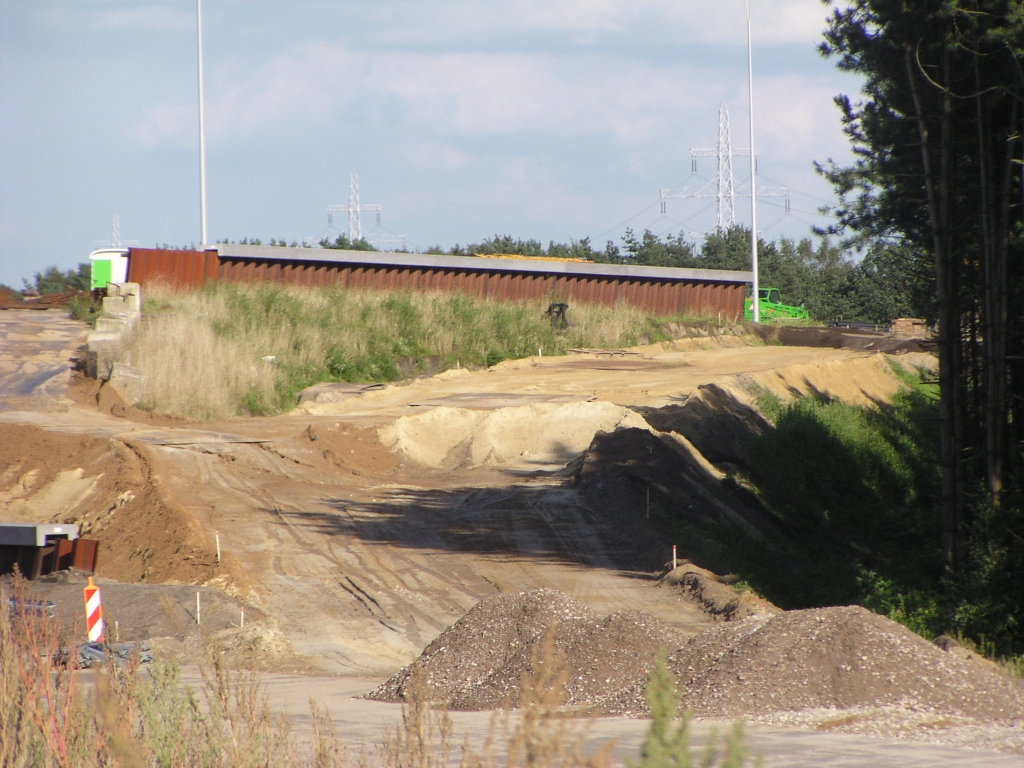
[551, 120]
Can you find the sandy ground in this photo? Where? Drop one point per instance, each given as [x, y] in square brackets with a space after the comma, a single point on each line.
[360, 722]
[358, 559]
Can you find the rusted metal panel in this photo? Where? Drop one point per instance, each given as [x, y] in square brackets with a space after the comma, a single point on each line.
[180, 269]
[85, 554]
[658, 295]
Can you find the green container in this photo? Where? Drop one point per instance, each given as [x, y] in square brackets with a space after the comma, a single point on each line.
[100, 273]
[109, 265]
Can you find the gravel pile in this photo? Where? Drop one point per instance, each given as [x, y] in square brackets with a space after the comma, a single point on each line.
[834, 658]
[478, 662]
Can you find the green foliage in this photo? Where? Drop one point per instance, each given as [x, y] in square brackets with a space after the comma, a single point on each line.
[85, 308]
[857, 492]
[858, 486]
[53, 280]
[768, 403]
[507, 244]
[665, 746]
[341, 242]
[888, 282]
[650, 251]
[936, 147]
[273, 341]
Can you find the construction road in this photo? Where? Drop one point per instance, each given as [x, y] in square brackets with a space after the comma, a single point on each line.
[358, 557]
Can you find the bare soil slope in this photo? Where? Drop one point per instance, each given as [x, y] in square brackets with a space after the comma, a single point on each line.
[108, 488]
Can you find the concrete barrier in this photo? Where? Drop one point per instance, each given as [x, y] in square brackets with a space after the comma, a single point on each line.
[104, 355]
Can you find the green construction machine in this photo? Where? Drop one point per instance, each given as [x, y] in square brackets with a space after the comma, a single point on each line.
[772, 308]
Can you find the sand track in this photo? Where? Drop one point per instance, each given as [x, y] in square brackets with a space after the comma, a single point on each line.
[360, 557]
[363, 559]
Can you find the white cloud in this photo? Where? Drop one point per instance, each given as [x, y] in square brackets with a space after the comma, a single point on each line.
[685, 22]
[153, 18]
[461, 95]
[160, 124]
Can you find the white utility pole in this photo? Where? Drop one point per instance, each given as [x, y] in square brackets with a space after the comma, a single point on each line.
[202, 131]
[755, 302]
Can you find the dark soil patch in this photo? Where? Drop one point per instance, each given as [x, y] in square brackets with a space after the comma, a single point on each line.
[94, 393]
[840, 338]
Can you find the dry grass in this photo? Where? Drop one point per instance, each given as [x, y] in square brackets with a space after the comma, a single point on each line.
[132, 719]
[231, 349]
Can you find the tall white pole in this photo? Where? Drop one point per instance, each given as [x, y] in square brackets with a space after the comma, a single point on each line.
[202, 130]
[753, 170]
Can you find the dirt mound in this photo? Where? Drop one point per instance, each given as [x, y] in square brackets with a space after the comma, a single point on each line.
[721, 419]
[714, 595]
[841, 338]
[478, 662]
[826, 658]
[542, 433]
[720, 424]
[637, 479]
[351, 448]
[108, 489]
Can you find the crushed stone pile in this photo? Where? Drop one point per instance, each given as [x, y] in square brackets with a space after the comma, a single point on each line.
[478, 662]
[834, 658]
[542, 433]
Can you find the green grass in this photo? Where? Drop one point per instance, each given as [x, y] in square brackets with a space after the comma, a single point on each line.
[855, 489]
[231, 349]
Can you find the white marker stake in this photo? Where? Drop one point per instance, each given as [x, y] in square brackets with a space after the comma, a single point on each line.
[243, 616]
[117, 632]
[199, 608]
[216, 535]
[673, 557]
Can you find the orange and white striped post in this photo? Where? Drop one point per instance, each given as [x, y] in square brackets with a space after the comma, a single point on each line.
[93, 613]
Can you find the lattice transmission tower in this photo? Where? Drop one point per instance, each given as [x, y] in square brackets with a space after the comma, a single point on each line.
[115, 240]
[355, 209]
[723, 187]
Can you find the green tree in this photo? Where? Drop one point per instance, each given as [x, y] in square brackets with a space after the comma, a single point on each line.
[651, 251]
[936, 140]
[53, 280]
[343, 243]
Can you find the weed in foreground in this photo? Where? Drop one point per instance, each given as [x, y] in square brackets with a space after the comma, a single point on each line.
[135, 718]
[668, 747]
[540, 733]
[51, 716]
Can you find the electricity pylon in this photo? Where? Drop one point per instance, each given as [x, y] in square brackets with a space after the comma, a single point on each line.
[115, 236]
[723, 187]
[354, 209]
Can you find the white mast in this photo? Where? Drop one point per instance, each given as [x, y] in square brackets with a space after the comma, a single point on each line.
[202, 132]
[753, 171]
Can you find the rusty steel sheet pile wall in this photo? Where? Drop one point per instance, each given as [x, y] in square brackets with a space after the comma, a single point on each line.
[174, 268]
[660, 291]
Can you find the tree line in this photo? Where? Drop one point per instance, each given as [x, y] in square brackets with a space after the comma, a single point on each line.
[828, 278]
[937, 134]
